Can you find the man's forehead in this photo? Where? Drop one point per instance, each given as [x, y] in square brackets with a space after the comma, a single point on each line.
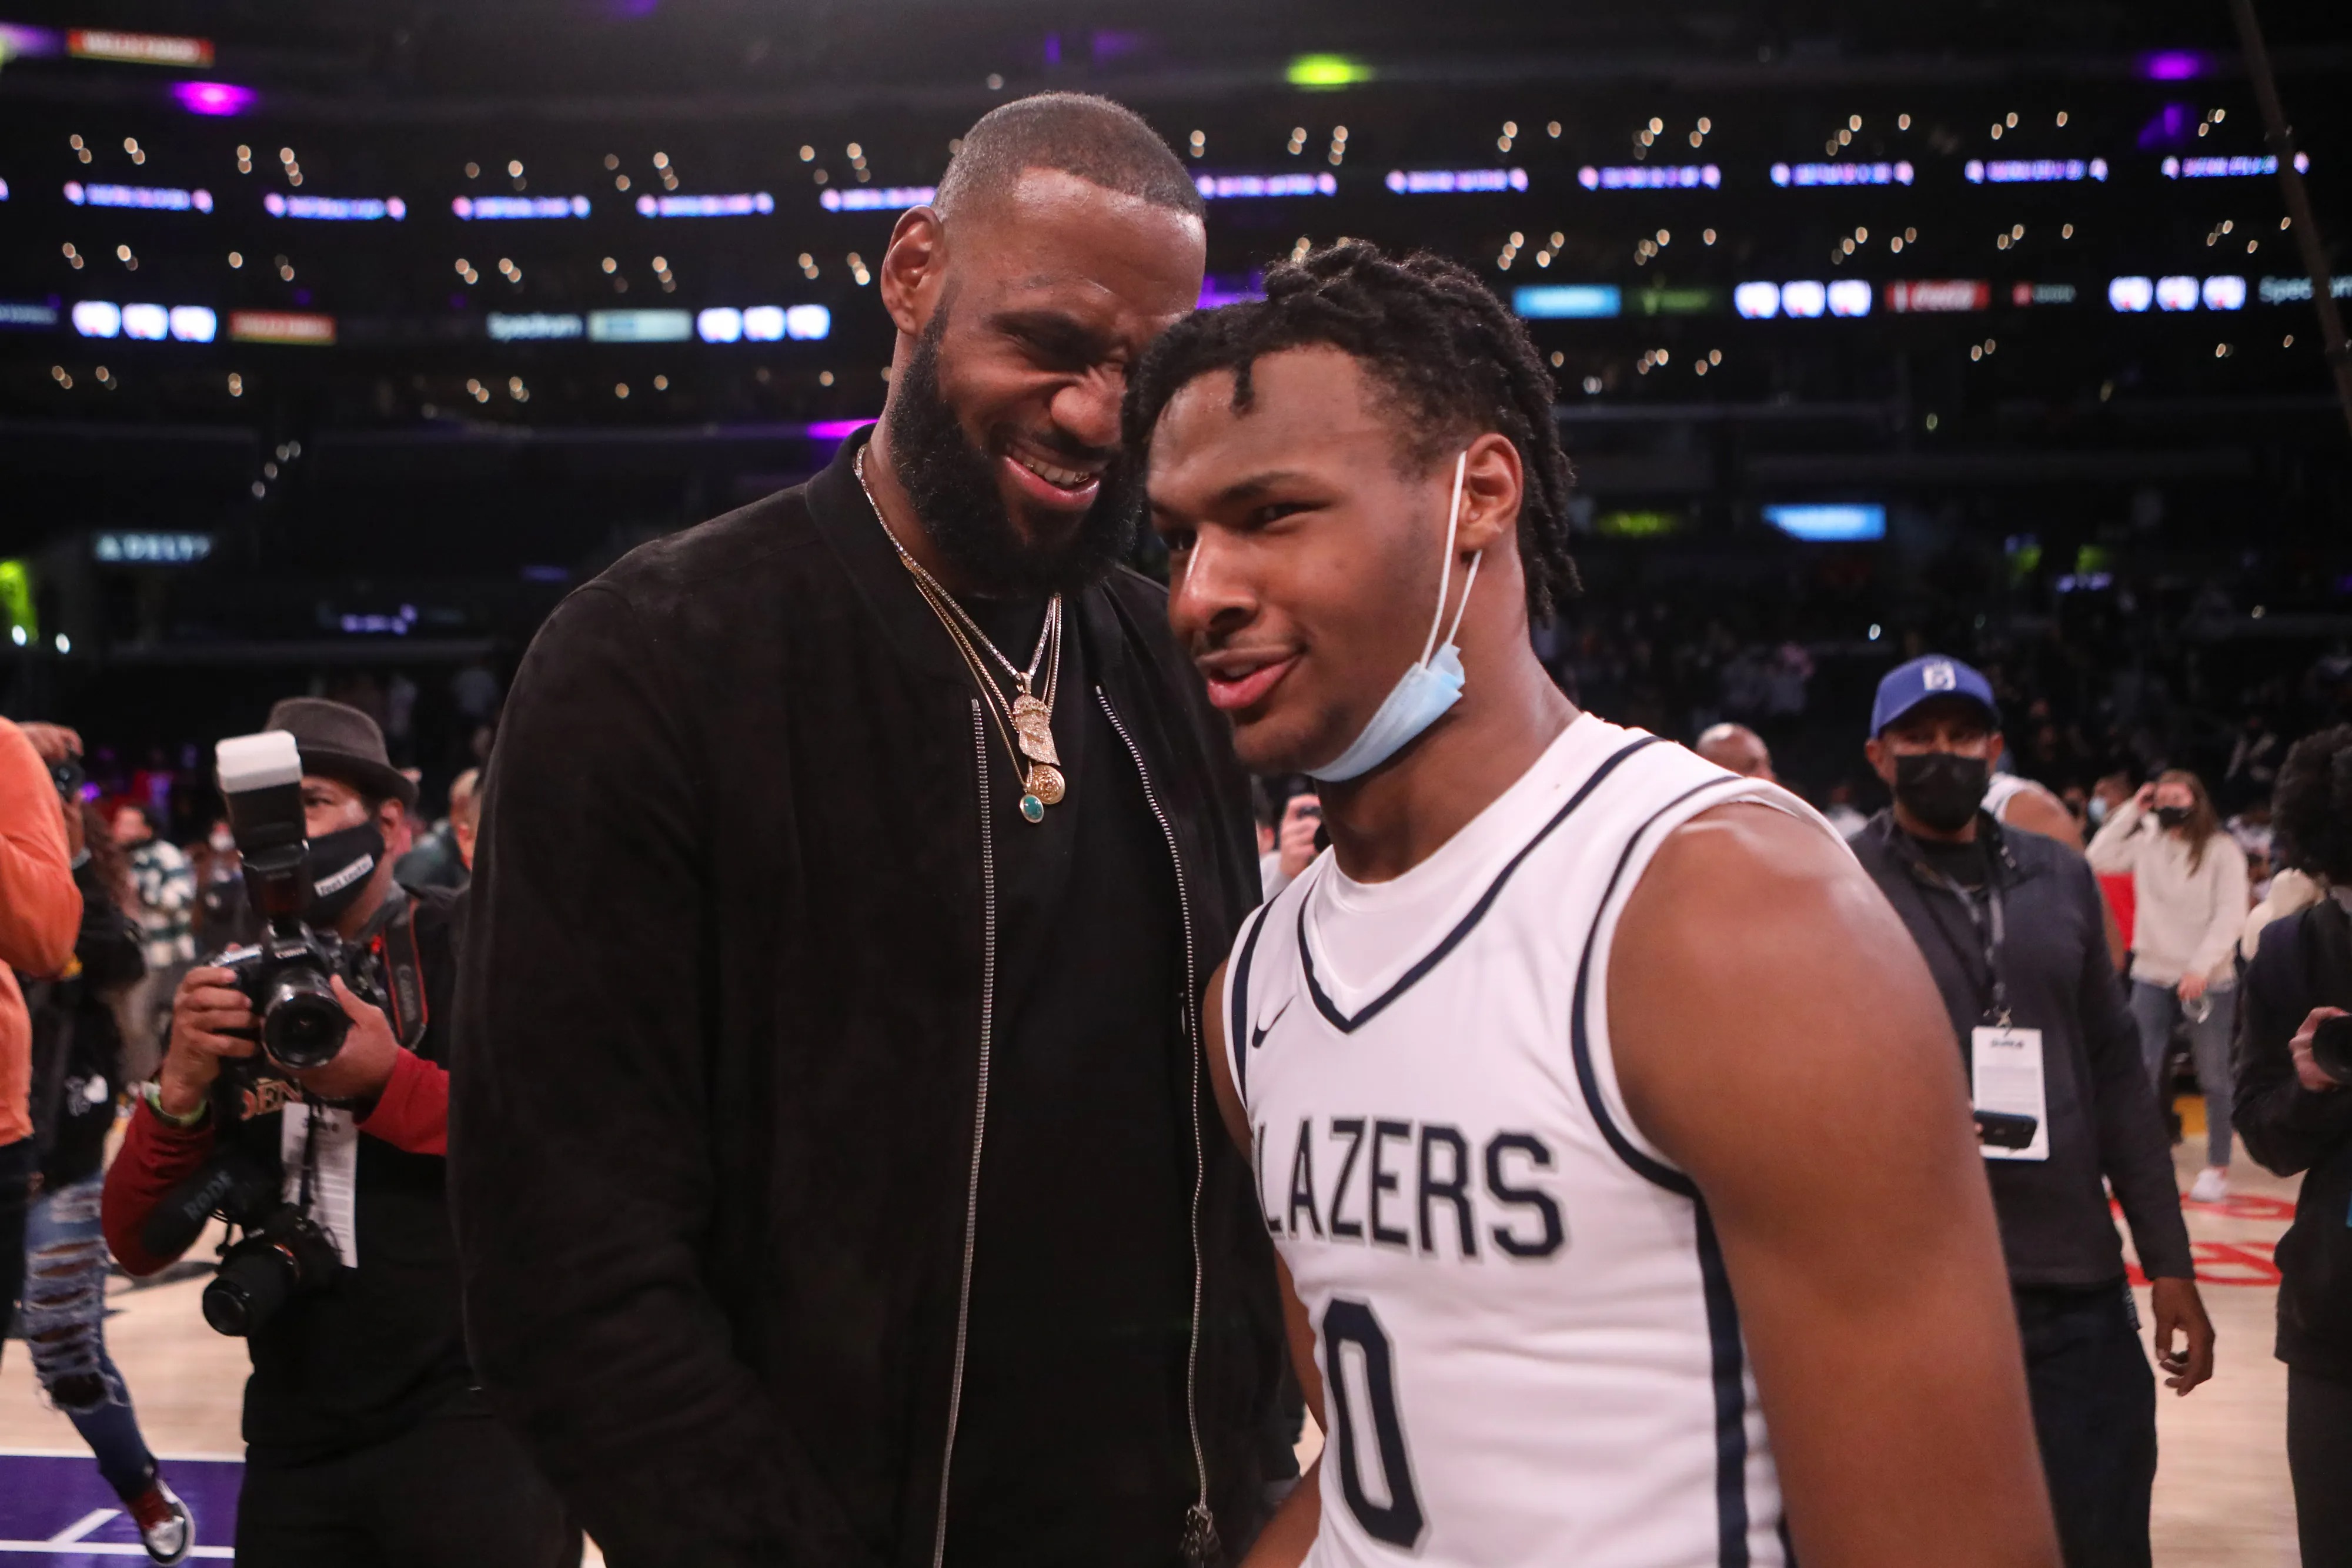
[1053, 231]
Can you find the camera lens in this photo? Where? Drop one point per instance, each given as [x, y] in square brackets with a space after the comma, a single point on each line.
[247, 1291]
[302, 1024]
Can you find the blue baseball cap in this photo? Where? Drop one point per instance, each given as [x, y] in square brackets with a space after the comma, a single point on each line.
[1924, 679]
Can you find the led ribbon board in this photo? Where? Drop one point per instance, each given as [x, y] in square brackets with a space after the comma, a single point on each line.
[1236, 187]
[764, 324]
[2032, 171]
[1453, 182]
[1828, 523]
[484, 207]
[2273, 290]
[151, 550]
[871, 198]
[1651, 177]
[21, 316]
[2230, 168]
[153, 198]
[537, 326]
[147, 323]
[302, 328]
[138, 49]
[1936, 296]
[335, 209]
[742, 205]
[1567, 301]
[1805, 299]
[1842, 173]
[640, 327]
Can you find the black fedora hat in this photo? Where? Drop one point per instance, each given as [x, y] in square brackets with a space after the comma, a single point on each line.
[342, 742]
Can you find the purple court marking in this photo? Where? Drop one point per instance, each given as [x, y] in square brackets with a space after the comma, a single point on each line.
[44, 1495]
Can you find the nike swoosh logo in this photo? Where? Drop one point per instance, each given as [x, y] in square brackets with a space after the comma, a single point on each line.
[1259, 1032]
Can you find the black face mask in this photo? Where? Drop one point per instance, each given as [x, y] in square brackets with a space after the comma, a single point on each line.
[1941, 788]
[2173, 816]
[340, 865]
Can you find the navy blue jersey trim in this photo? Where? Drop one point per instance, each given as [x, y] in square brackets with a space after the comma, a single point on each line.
[1730, 1400]
[1586, 1079]
[1237, 1030]
[1413, 976]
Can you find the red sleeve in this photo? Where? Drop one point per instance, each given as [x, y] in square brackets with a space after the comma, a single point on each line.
[155, 1157]
[413, 1112]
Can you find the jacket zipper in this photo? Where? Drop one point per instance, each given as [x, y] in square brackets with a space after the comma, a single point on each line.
[1200, 1523]
[978, 1123]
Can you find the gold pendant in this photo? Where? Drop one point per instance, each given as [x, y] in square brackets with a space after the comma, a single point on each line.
[1045, 782]
[1035, 735]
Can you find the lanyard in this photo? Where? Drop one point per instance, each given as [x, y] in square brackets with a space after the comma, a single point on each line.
[1988, 926]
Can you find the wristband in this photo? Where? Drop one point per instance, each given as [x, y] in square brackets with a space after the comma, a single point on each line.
[152, 1093]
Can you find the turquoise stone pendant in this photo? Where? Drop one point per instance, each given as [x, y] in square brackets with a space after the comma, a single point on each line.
[1033, 808]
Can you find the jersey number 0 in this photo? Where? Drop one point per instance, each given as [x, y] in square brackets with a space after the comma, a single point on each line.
[1400, 1522]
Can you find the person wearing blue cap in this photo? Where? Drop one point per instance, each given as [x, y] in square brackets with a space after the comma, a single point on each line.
[2011, 925]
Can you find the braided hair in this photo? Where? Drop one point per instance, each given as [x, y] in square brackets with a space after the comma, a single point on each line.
[2311, 806]
[1443, 348]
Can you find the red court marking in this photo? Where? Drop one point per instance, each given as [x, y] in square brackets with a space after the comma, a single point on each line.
[2223, 1263]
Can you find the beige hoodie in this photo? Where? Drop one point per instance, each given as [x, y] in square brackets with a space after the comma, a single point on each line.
[2184, 921]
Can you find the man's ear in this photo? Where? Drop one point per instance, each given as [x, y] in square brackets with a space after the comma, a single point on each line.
[913, 269]
[1874, 749]
[1492, 484]
[1995, 746]
[391, 820]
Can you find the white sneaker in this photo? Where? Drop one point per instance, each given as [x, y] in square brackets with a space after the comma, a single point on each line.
[166, 1527]
[2211, 1186]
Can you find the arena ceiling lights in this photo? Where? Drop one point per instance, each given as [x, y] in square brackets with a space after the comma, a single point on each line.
[1651, 177]
[1237, 187]
[742, 205]
[1807, 174]
[151, 198]
[1830, 523]
[877, 199]
[147, 323]
[2032, 171]
[1567, 301]
[1453, 182]
[335, 209]
[475, 208]
[2230, 168]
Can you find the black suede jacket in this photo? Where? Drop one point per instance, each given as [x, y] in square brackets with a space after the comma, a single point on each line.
[726, 992]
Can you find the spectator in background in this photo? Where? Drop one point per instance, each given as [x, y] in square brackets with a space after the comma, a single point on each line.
[166, 887]
[444, 857]
[78, 1076]
[2297, 1116]
[40, 915]
[2190, 902]
[1738, 748]
[1298, 819]
[2010, 924]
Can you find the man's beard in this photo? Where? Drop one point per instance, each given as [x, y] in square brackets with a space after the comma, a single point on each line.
[953, 486]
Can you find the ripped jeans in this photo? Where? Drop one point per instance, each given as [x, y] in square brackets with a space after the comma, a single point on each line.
[65, 1330]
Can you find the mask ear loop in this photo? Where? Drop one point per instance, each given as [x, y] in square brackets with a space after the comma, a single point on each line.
[1445, 571]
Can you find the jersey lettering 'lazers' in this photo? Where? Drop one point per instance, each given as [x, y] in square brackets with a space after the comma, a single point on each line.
[1530, 1349]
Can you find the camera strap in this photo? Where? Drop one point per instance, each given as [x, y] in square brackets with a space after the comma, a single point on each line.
[392, 937]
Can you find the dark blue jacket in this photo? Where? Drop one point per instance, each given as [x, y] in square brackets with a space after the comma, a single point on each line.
[2055, 1227]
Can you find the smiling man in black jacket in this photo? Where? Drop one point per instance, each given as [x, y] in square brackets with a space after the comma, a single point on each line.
[831, 1174]
[2010, 923]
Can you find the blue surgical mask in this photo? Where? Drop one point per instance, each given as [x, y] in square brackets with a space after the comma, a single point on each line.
[1430, 685]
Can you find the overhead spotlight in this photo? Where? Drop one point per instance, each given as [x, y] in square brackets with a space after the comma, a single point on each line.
[235, 384]
[612, 266]
[514, 168]
[2062, 117]
[1707, 236]
[1657, 126]
[2010, 119]
[612, 159]
[1854, 123]
[661, 160]
[1902, 122]
[1200, 142]
[661, 384]
[620, 388]
[473, 169]
[1552, 129]
[808, 153]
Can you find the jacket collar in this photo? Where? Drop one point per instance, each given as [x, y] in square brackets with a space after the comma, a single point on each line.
[846, 522]
[1903, 849]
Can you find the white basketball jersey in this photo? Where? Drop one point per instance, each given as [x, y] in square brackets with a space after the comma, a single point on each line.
[1530, 1349]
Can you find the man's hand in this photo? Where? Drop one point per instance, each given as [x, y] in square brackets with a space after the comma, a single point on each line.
[362, 1068]
[1302, 815]
[54, 742]
[2180, 1311]
[208, 1015]
[2192, 986]
[2307, 1071]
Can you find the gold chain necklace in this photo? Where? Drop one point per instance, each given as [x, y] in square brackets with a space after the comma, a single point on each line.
[1024, 721]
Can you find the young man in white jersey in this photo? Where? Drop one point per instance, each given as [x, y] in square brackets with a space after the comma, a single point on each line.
[1604, 1116]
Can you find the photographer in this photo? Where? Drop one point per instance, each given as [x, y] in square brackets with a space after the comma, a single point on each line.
[2295, 1111]
[365, 1441]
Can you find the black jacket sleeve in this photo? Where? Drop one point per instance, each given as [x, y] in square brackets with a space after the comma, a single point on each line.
[2287, 1128]
[108, 945]
[2133, 1153]
[581, 1174]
